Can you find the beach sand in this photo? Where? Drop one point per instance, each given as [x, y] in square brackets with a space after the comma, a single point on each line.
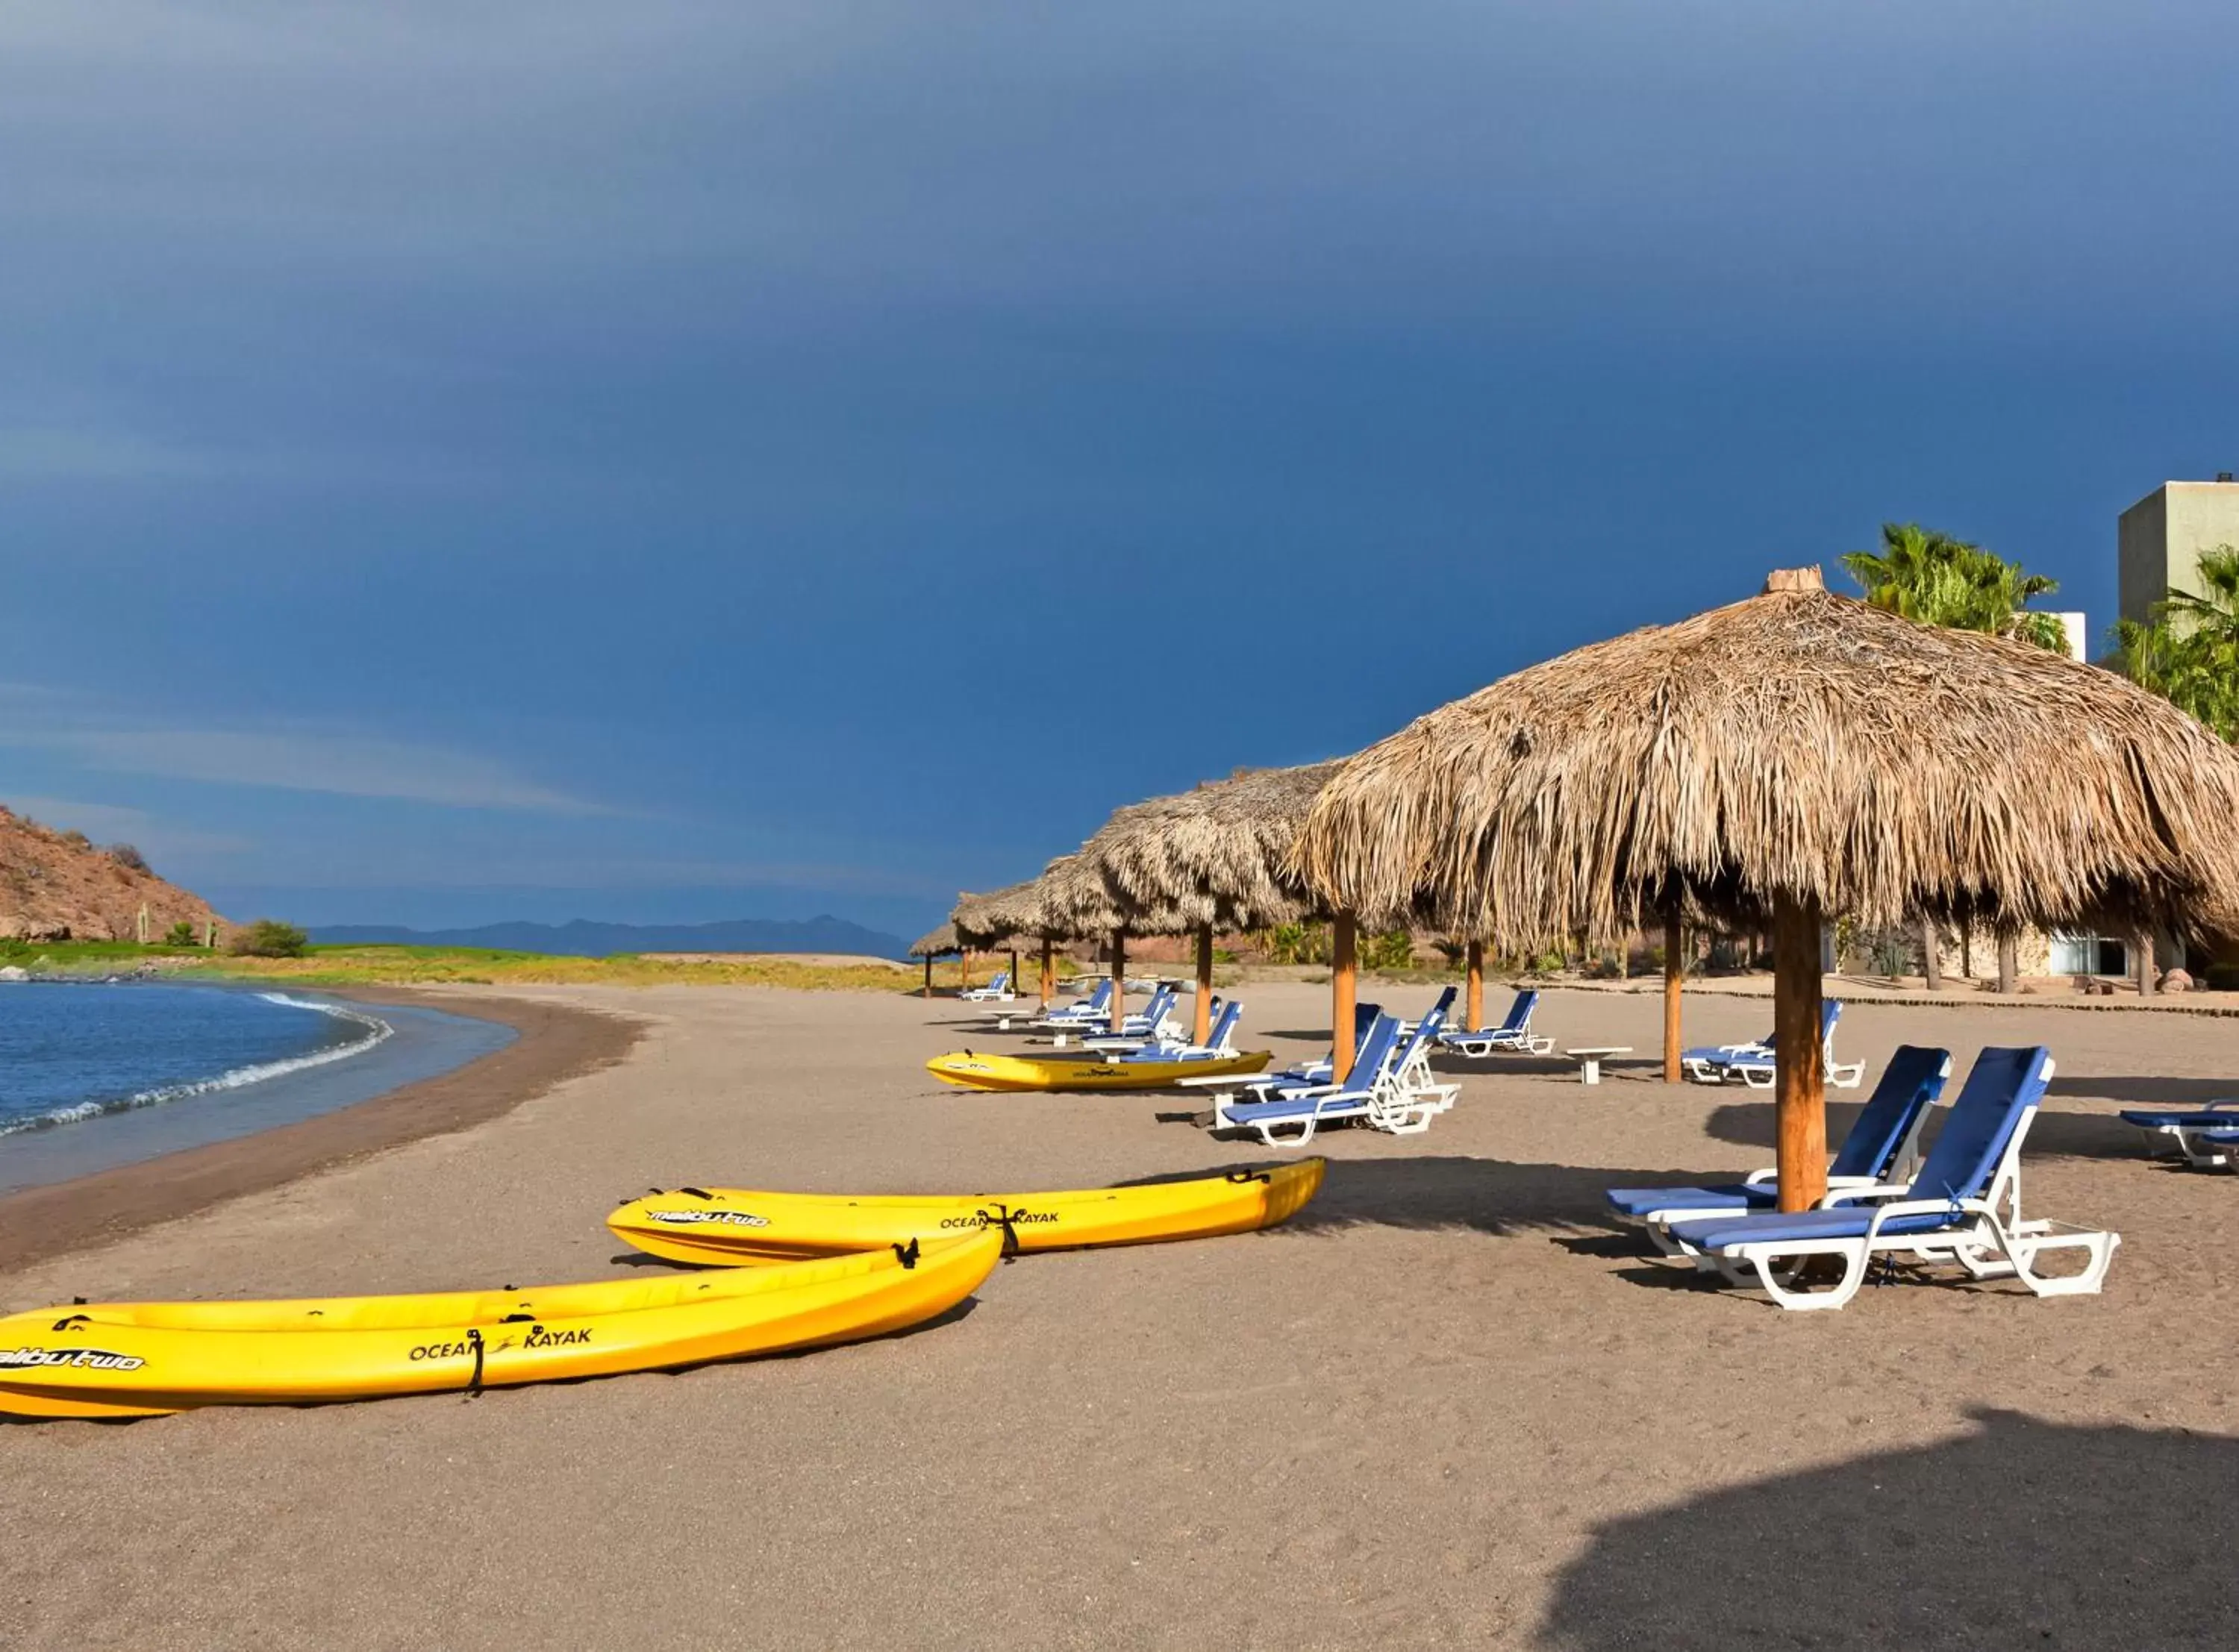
[1446, 1407]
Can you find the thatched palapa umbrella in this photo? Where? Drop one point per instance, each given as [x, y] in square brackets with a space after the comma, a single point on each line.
[1785, 758]
[1078, 899]
[1217, 857]
[1068, 901]
[1006, 916]
[936, 943]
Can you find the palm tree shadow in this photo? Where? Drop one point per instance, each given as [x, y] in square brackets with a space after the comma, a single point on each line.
[2023, 1532]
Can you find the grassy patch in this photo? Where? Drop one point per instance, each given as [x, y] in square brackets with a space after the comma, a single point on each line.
[400, 965]
[74, 955]
[397, 965]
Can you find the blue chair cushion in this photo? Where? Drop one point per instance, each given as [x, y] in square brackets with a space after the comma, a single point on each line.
[1639, 1201]
[1714, 1233]
[2199, 1118]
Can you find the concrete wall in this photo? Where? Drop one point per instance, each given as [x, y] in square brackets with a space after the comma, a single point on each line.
[2159, 539]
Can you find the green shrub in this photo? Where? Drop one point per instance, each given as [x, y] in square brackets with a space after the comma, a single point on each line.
[268, 937]
[1395, 950]
[1295, 944]
[180, 934]
[126, 856]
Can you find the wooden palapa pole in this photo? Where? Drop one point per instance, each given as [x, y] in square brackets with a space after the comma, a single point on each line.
[928, 975]
[1018, 975]
[1049, 971]
[1799, 1064]
[1675, 972]
[1119, 981]
[1204, 984]
[1473, 997]
[1344, 989]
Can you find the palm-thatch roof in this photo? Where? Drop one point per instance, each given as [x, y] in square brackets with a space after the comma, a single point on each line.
[1798, 744]
[996, 917]
[936, 943]
[1066, 902]
[1077, 899]
[1220, 854]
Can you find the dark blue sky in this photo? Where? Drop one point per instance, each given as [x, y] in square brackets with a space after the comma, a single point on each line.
[676, 461]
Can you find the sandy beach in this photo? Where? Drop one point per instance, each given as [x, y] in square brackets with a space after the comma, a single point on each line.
[1448, 1406]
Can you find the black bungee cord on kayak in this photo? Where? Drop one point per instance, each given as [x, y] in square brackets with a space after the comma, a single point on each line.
[475, 1381]
[1006, 1219]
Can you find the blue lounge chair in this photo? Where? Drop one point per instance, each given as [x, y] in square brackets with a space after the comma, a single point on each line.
[1443, 1008]
[1290, 1121]
[1706, 1063]
[1512, 1035]
[1154, 1021]
[1411, 1072]
[1220, 1040]
[2202, 1135]
[1881, 1148]
[1963, 1207]
[996, 991]
[1753, 1063]
[1082, 1011]
[1318, 1071]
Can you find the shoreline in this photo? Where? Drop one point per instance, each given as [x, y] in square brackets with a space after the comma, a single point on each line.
[552, 1043]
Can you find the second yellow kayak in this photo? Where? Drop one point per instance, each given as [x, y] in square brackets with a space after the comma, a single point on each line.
[969, 1070]
[726, 1226]
[141, 1359]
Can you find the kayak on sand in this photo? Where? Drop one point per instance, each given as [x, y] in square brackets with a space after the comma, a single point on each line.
[728, 1226]
[141, 1359]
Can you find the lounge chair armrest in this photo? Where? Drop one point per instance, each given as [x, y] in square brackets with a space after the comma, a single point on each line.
[1884, 1214]
[1766, 1177]
[1860, 1193]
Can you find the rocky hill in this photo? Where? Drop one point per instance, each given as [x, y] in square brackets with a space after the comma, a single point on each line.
[58, 885]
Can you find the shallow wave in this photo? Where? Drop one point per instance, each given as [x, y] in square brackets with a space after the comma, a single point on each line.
[376, 1031]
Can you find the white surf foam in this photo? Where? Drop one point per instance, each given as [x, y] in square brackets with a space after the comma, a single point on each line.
[376, 1031]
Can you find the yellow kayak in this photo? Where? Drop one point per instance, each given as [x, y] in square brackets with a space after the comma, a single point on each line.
[968, 1071]
[728, 1225]
[141, 1359]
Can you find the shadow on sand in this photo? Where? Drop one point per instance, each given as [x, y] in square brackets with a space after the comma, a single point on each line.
[1450, 1191]
[2022, 1533]
[2067, 1134]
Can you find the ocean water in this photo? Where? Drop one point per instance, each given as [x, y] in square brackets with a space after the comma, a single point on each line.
[93, 1075]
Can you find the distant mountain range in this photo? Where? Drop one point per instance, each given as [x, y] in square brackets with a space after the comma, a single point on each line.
[585, 940]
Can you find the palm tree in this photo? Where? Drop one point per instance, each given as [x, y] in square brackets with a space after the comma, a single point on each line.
[2189, 652]
[1937, 580]
[1900, 577]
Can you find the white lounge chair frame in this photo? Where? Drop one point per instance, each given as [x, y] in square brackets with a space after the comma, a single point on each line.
[1988, 1237]
[998, 990]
